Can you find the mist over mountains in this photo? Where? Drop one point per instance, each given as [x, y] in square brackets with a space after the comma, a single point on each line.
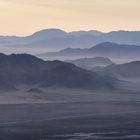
[28, 70]
[56, 39]
[39, 95]
[126, 70]
[105, 49]
[90, 63]
[24, 69]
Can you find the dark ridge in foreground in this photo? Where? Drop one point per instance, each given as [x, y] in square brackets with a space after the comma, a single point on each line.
[24, 69]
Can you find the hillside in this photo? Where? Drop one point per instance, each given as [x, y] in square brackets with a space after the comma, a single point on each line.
[24, 69]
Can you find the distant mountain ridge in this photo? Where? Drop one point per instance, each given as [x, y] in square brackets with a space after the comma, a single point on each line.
[127, 70]
[59, 39]
[105, 49]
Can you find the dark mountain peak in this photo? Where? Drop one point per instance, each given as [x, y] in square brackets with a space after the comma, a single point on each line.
[20, 65]
[19, 60]
[26, 57]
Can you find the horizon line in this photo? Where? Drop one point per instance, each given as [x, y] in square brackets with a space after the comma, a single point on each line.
[104, 32]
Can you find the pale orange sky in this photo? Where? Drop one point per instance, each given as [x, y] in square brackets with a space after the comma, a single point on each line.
[23, 17]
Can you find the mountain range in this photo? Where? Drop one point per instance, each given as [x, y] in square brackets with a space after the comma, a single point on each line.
[26, 70]
[59, 39]
[126, 70]
[105, 49]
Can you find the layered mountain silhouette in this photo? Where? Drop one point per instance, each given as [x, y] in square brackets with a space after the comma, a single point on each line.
[127, 70]
[51, 38]
[59, 39]
[24, 69]
[103, 49]
[90, 63]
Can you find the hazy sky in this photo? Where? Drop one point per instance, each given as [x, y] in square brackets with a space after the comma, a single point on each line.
[23, 17]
